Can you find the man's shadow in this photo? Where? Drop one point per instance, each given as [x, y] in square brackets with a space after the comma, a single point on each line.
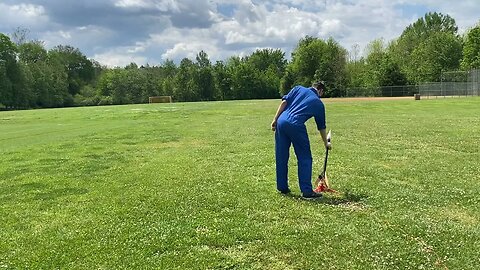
[338, 198]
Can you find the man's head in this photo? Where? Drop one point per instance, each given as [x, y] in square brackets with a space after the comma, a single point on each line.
[319, 86]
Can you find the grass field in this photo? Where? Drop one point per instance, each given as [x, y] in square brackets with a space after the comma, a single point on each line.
[192, 186]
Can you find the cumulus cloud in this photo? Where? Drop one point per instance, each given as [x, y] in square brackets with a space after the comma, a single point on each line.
[22, 15]
[119, 58]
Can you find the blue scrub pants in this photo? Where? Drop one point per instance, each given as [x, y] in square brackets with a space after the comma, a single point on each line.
[287, 133]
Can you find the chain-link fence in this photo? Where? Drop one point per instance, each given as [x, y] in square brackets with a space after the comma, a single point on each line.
[452, 84]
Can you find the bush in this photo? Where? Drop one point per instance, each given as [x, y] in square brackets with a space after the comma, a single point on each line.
[105, 100]
[80, 100]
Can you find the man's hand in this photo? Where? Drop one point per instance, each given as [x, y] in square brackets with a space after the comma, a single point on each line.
[280, 109]
[274, 125]
[328, 146]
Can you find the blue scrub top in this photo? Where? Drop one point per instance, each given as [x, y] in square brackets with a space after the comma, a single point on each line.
[302, 104]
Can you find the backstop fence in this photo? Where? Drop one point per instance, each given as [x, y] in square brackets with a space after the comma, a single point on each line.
[452, 84]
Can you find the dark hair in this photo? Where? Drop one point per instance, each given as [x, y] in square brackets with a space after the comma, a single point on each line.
[319, 84]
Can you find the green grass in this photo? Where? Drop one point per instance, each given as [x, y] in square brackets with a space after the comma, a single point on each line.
[192, 186]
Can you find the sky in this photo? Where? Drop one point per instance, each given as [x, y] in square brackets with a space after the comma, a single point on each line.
[119, 32]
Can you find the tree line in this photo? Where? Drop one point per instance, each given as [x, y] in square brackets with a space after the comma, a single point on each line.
[33, 77]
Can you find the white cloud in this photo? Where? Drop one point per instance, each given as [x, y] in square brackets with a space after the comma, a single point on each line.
[179, 43]
[162, 5]
[28, 10]
[121, 31]
[89, 36]
[118, 58]
[131, 3]
[23, 15]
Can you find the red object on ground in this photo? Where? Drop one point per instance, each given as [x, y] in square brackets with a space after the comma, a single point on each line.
[323, 187]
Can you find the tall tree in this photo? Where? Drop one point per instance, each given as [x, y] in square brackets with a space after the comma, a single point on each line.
[20, 35]
[334, 69]
[438, 53]
[222, 81]
[8, 52]
[315, 59]
[123, 86]
[471, 49]
[355, 70]
[167, 82]
[306, 60]
[263, 59]
[391, 73]
[413, 45]
[33, 56]
[79, 69]
[244, 80]
[269, 65]
[375, 52]
[13, 93]
[204, 76]
[185, 86]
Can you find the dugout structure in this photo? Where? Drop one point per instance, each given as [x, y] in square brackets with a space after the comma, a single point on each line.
[160, 99]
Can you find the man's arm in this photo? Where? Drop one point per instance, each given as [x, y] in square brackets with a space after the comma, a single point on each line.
[280, 109]
[323, 132]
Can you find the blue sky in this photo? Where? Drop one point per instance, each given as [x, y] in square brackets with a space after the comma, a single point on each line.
[117, 32]
[413, 9]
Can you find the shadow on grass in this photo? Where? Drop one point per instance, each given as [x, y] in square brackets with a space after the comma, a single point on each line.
[61, 192]
[15, 190]
[36, 191]
[32, 186]
[340, 198]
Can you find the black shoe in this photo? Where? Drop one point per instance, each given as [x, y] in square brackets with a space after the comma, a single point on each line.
[286, 191]
[311, 196]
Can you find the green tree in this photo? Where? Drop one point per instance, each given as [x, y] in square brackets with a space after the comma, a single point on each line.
[373, 63]
[32, 52]
[168, 70]
[244, 80]
[13, 91]
[79, 69]
[287, 81]
[355, 69]
[412, 47]
[269, 66]
[315, 59]
[5, 85]
[471, 49]
[263, 59]
[185, 86]
[306, 60]
[334, 69]
[57, 83]
[391, 72]
[87, 97]
[439, 52]
[222, 80]
[33, 56]
[204, 76]
[124, 86]
[20, 36]
[153, 81]
[8, 52]
[131, 66]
